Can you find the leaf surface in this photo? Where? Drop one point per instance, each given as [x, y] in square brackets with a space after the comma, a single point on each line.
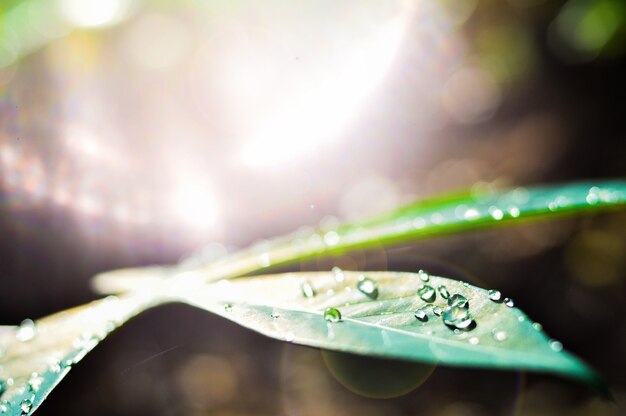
[383, 323]
[35, 356]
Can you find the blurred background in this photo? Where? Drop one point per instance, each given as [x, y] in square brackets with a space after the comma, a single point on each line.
[135, 132]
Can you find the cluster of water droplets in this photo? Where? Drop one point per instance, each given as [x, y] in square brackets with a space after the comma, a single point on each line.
[456, 315]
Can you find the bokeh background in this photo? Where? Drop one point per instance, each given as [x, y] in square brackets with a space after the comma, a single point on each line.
[135, 132]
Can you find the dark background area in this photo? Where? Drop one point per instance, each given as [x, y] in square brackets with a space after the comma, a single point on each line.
[558, 120]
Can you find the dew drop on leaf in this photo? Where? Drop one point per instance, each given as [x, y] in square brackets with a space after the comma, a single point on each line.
[443, 292]
[339, 276]
[458, 317]
[423, 275]
[228, 307]
[26, 406]
[537, 326]
[55, 367]
[4, 406]
[422, 313]
[307, 289]
[332, 315]
[367, 287]
[458, 300]
[34, 382]
[26, 331]
[500, 335]
[275, 315]
[264, 260]
[474, 340]
[437, 311]
[495, 295]
[555, 345]
[496, 213]
[509, 302]
[331, 238]
[427, 293]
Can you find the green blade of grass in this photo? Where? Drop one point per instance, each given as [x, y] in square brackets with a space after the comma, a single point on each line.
[426, 219]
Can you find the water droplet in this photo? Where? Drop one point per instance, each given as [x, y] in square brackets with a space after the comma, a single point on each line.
[495, 295]
[427, 293]
[26, 331]
[474, 340]
[458, 317]
[521, 318]
[264, 260]
[593, 195]
[55, 366]
[437, 311]
[496, 213]
[4, 406]
[537, 326]
[509, 302]
[332, 315]
[26, 406]
[289, 337]
[331, 238]
[228, 307]
[307, 289]
[275, 315]
[471, 214]
[514, 212]
[423, 275]
[422, 313]
[555, 345]
[367, 287]
[459, 301]
[86, 341]
[443, 292]
[500, 335]
[34, 382]
[339, 276]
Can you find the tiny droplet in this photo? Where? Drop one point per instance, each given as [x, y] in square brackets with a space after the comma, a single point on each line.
[332, 315]
[427, 293]
[495, 295]
[555, 345]
[367, 287]
[443, 291]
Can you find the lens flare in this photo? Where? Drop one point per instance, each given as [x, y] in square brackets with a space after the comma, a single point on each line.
[317, 116]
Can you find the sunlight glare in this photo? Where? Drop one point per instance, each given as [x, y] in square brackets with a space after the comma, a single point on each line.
[318, 116]
[94, 13]
[193, 203]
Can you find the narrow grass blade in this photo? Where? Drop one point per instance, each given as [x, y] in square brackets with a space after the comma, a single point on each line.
[426, 219]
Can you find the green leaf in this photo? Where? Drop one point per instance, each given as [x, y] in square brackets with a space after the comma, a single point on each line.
[35, 356]
[424, 219]
[383, 325]
[378, 318]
